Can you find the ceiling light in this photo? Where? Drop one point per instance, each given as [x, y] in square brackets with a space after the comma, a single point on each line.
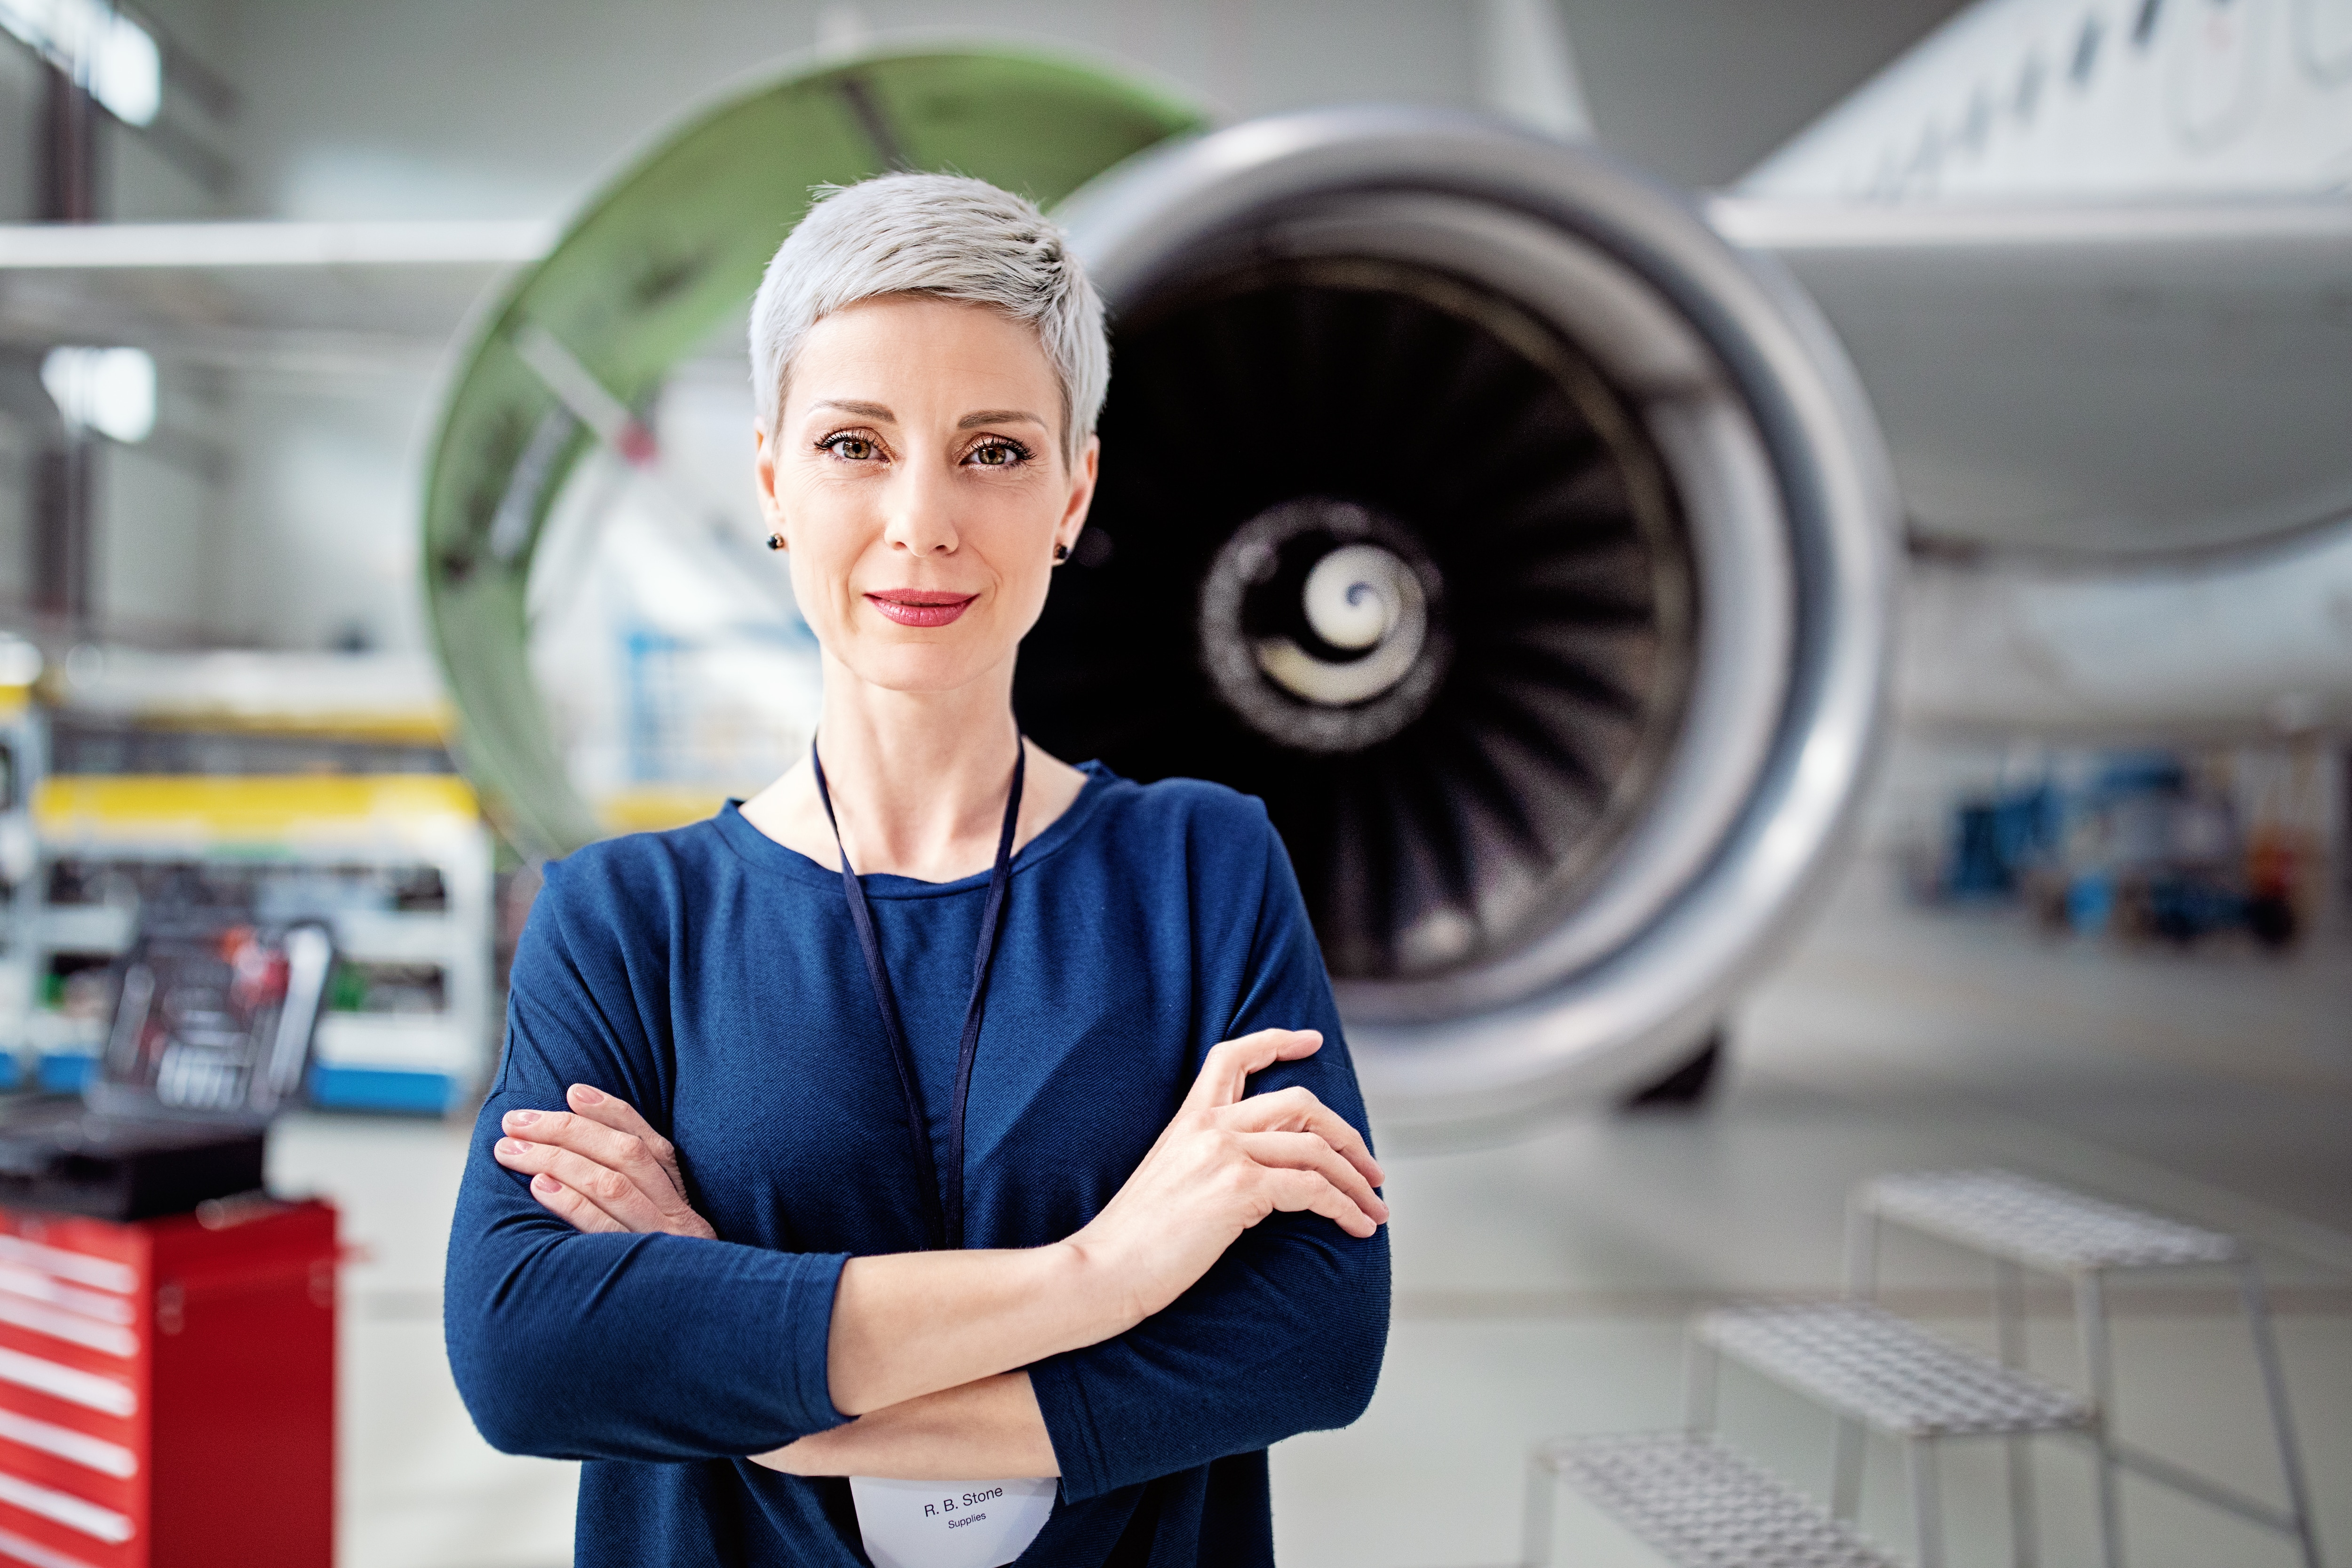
[106, 54]
[20, 661]
[110, 391]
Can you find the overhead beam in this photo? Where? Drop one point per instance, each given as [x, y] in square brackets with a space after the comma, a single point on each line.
[165, 247]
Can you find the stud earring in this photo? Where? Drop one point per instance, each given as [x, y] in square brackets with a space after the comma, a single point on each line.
[1060, 553]
[775, 542]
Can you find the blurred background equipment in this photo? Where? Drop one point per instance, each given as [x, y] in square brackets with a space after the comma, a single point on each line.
[210, 1018]
[2146, 846]
[291, 789]
[167, 1329]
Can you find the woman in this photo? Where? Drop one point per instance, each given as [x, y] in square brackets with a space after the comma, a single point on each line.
[944, 1111]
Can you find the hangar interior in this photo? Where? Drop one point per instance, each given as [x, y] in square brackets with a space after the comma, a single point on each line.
[1970, 641]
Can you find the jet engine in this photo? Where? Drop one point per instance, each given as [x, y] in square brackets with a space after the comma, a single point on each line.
[1528, 550]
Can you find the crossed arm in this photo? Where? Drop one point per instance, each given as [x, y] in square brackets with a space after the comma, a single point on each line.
[924, 1348]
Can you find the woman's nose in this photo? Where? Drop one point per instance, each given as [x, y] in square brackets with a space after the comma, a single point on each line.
[922, 520]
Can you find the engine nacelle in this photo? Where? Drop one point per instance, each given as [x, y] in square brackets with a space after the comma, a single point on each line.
[1528, 550]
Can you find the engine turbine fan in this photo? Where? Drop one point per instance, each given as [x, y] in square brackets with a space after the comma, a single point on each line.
[1523, 547]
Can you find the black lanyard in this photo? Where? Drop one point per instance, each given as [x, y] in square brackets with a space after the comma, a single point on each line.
[945, 1209]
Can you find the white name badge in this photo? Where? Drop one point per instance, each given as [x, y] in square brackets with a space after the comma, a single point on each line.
[949, 1524]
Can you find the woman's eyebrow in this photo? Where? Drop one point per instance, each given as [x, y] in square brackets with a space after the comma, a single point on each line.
[863, 410]
[998, 417]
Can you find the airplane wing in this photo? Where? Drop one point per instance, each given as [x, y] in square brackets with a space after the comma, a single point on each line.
[2098, 381]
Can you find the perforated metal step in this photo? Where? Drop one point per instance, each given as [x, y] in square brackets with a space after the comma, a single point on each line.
[1864, 1362]
[1699, 1505]
[2045, 1226]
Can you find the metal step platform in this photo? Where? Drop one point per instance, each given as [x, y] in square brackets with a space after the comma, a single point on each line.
[2020, 1223]
[1863, 1362]
[2003, 1215]
[1692, 1501]
[1870, 1368]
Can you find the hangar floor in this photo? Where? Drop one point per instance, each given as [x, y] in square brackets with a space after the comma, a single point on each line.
[1542, 1287]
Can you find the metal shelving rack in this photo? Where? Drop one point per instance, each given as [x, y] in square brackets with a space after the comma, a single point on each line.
[299, 839]
[23, 761]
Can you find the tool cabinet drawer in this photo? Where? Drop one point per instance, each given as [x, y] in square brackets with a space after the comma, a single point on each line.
[167, 1388]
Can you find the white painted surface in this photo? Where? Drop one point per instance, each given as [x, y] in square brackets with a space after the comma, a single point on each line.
[2254, 643]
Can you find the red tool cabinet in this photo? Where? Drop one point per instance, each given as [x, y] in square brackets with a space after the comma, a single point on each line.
[167, 1388]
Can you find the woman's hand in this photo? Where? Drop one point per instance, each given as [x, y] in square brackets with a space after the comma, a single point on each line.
[1224, 1164]
[600, 1165]
[911, 1323]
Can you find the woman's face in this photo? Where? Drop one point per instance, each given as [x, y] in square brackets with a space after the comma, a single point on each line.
[916, 474]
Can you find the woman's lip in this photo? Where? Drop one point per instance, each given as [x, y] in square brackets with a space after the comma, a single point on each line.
[920, 608]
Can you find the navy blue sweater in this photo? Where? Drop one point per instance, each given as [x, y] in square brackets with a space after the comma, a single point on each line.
[711, 977]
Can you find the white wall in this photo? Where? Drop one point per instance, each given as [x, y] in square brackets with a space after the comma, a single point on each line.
[325, 499]
[158, 546]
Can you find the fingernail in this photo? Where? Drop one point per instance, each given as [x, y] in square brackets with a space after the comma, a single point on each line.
[583, 1095]
[521, 1117]
[511, 1145]
[546, 1184]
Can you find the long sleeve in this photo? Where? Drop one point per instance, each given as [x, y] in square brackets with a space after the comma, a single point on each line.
[608, 1346]
[1285, 1333]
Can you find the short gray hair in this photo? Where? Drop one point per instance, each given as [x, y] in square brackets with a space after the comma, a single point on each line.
[941, 235]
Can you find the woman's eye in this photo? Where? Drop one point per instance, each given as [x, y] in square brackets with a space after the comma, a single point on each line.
[997, 455]
[854, 448]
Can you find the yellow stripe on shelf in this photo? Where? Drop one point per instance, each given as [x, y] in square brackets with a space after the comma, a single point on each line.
[262, 808]
[392, 726]
[653, 809]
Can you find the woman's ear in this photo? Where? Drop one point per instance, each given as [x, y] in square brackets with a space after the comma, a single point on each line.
[763, 480]
[1081, 493]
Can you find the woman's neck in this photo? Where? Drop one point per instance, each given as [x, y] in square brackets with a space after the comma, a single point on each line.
[915, 774]
[918, 780]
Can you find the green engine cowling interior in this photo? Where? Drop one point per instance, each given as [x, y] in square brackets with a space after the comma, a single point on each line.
[650, 269]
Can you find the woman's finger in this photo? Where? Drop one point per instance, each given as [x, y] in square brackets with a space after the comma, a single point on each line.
[1305, 1192]
[607, 1146]
[1225, 1070]
[622, 1116]
[1296, 1109]
[571, 1207]
[1306, 1151]
[601, 1185]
